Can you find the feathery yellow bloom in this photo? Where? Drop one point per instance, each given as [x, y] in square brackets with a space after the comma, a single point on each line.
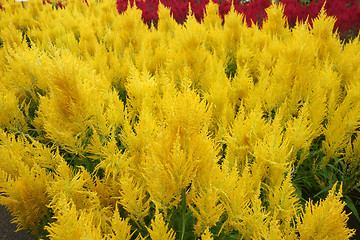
[120, 227]
[72, 223]
[207, 209]
[159, 230]
[325, 219]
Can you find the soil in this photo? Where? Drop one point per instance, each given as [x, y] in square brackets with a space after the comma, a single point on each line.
[7, 229]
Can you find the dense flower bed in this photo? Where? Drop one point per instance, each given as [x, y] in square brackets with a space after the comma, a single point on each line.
[114, 129]
[347, 12]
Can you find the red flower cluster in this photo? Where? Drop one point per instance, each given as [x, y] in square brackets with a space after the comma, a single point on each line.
[149, 10]
[347, 13]
[179, 9]
[254, 11]
[121, 5]
[224, 7]
[198, 8]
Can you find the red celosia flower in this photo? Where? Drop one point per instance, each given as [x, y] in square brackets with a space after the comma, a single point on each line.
[198, 8]
[254, 11]
[347, 13]
[121, 5]
[149, 10]
[294, 11]
[179, 9]
[46, 1]
[60, 5]
[224, 7]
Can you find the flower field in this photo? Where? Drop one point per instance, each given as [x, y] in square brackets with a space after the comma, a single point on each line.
[118, 127]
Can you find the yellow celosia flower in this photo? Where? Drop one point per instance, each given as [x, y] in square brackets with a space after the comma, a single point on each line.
[77, 102]
[11, 116]
[325, 219]
[253, 223]
[206, 235]
[276, 24]
[211, 19]
[284, 206]
[120, 227]
[75, 186]
[300, 131]
[72, 223]
[26, 196]
[323, 27]
[158, 229]
[246, 130]
[207, 209]
[134, 198]
[273, 154]
[166, 24]
[210, 113]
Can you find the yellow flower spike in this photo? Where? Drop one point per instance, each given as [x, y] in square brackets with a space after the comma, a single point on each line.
[141, 90]
[130, 30]
[137, 138]
[78, 100]
[19, 152]
[284, 205]
[206, 235]
[207, 209]
[247, 129]
[254, 220]
[218, 95]
[235, 197]
[114, 162]
[276, 24]
[159, 230]
[24, 73]
[239, 141]
[134, 198]
[342, 123]
[211, 18]
[166, 24]
[273, 232]
[323, 26]
[88, 40]
[11, 116]
[121, 229]
[325, 219]
[301, 132]
[317, 109]
[26, 197]
[233, 29]
[346, 68]
[72, 223]
[75, 186]
[273, 151]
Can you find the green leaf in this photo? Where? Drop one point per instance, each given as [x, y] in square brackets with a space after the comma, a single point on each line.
[350, 204]
[324, 190]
